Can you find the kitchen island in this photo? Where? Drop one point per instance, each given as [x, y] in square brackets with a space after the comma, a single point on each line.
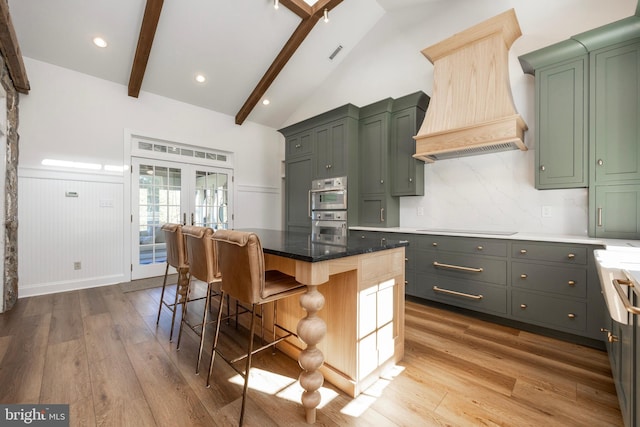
[351, 319]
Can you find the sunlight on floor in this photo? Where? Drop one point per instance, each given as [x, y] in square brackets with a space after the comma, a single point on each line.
[361, 403]
[280, 386]
[289, 388]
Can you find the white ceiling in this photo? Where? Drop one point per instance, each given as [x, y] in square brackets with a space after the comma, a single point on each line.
[231, 42]
[234, 42]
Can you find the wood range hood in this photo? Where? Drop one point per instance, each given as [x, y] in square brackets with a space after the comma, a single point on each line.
[471, 109]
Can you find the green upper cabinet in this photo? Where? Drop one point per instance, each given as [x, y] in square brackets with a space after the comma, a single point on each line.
[562, 88]
[331, 149]
[407, 173]
[615, 115]
[300, 144]
[374, 147]
[561, 155]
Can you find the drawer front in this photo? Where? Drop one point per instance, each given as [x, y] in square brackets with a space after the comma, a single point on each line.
[559, 280]
[452, 265]
[545, 252]
[549, 311]
[462, 293]
[467, 245]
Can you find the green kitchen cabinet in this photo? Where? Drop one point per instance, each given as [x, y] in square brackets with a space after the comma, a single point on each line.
[377, 207]
[616, 211]
[297, 186]
[615, 115]
[562, 87]
[407, 173]
[331, 159]
[322, 146]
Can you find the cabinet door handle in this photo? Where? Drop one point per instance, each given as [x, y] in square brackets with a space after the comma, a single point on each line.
[309, 205]
[600, 162]
[571, 316]
[434, 244]
[571, 256]
[617, 285]
[571, 283]
[523, 276]
[456, 293]
[479, 248]
[542, 168]
[381, 214]
[523, 306]
[410, 179]
[523, 251]
[458, 267]
[297, 145]
[599, 217]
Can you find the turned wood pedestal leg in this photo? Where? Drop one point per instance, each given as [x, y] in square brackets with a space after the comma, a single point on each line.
[311, 330]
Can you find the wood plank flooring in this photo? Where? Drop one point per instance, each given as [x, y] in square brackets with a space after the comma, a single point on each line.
[100, 351]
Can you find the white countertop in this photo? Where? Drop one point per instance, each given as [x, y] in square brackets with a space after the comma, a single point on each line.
[560, 238]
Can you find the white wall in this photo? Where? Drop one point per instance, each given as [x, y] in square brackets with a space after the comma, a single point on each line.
[494, 191]
[72, 116]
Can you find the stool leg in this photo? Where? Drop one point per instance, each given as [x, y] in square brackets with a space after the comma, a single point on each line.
[275, 322]
[248, 365]
[164, 285]
[173, 314]
[215, 338]
[207, 304]
[184, 312]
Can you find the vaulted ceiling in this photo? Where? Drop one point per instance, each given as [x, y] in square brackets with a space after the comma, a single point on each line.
[246, 49]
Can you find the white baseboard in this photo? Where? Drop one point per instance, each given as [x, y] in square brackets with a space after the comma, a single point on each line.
[65, 286]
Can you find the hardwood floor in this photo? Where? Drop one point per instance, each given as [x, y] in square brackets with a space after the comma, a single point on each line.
[100, 351]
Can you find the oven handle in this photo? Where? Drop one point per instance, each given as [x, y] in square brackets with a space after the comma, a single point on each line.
[309, 204]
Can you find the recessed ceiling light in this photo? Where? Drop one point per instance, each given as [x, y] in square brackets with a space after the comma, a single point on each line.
[200, 78]
[100, 42]
[265, 102]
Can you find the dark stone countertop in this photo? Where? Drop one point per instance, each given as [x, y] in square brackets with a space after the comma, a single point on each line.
[300, 247]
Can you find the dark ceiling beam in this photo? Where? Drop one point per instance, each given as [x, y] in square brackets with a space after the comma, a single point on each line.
[296, 39]
[11, 51]
[145, 41]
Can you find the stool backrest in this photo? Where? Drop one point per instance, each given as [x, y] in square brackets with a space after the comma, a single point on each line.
[203, 262]
[241, 262]
[176, 251]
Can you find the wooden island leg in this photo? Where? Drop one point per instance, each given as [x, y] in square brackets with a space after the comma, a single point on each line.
[311, 330]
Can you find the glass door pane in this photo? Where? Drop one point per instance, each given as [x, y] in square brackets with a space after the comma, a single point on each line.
[211, 199]
[159, 200]
[161, 195]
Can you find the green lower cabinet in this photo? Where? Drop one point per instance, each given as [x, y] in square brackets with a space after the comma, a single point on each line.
[551, 311]
[616, 211]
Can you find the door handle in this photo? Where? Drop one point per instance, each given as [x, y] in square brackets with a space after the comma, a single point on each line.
[184, 218]
[381, 214]
[192, 219]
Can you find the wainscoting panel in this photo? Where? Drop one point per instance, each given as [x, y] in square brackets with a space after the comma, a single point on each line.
[71, 233]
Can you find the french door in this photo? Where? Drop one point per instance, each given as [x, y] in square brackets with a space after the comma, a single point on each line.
[173, 192]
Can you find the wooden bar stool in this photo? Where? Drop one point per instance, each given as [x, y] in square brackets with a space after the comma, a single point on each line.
[203, 265]
[176, 258]
[241, 263]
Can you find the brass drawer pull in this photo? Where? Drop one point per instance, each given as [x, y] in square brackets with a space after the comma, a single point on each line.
[458, 267]
[523, 251]
[456, 293]
[571, 256]
[523, 306]
[571, 283]
[523, 276]
[571, 316]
